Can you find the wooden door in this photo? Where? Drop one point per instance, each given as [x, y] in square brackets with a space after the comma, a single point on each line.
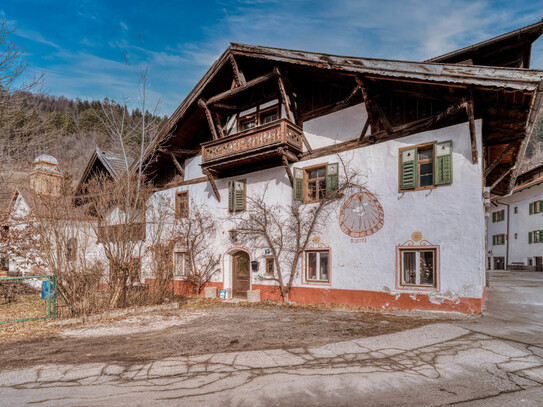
[539, 263]
[499, 263]
[241, 274]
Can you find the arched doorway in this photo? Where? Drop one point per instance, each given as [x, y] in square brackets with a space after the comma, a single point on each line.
[241, 274]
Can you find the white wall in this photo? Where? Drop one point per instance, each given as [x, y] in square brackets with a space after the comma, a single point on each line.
[343, 125]
[450, 216]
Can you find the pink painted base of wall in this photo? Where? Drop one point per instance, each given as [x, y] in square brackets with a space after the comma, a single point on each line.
[372, 299]
[369, 299]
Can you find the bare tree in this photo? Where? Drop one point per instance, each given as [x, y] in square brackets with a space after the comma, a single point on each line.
[287, 229]
[119, 208]
[191, 233]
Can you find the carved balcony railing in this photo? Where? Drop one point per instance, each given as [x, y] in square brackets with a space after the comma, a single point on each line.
[258, 143]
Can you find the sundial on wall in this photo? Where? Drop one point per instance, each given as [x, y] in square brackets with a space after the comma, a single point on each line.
[361, 215]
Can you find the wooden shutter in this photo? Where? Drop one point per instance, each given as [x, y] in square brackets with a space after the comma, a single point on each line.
[298, 184]
[540, 206]
[530, 239]
[540, 235]
[408, 170]
[532, 208]
[231, 196]
[443, 163]
[332, 178]
[494, 240]
[493, 217]
[239, 195]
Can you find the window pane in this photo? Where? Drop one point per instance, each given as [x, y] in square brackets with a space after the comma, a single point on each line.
[312, 191]
[409, 268]
[322, 189]
[323, 265]
[311, 266]
[316, 173]
[426, 154]
[427, 268]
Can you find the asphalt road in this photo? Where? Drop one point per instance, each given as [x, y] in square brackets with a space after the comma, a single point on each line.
[493, 360]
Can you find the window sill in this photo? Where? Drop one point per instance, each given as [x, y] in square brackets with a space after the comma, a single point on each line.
[418, 288]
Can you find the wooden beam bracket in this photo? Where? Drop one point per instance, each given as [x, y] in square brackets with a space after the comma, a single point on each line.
[286, 165]
[213, 185]
[239, 78]
[470, 110]
[178, 166]
[202, 104]
[498, 159]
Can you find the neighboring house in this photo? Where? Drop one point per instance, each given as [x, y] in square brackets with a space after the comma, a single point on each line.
[431, 138]
[45, 180]
[103, 163]
[515, 225]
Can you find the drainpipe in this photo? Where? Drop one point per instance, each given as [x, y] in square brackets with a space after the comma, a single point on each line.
[507, 235]
[486, 204]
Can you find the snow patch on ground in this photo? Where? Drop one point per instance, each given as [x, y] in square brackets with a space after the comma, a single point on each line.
[132, 325]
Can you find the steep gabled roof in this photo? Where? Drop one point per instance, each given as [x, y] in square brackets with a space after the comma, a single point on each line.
[501, 50]
[113, 164]
[505, 94]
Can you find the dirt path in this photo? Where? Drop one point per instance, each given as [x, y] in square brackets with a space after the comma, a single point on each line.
[207, 329]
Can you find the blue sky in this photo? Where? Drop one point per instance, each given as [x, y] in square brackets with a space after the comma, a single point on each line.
[83, 46]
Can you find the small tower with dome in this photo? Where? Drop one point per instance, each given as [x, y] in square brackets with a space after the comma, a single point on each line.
[45, 177]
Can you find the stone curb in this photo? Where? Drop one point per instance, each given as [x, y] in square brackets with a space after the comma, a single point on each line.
[119, 313]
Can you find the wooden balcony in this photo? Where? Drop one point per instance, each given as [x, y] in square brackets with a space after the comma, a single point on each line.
[253, 149]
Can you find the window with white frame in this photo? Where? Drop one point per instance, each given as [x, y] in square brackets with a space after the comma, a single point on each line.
[317, 266]
[418, 267]
[181, 264]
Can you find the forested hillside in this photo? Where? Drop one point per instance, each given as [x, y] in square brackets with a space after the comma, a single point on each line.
[33, 124]
[67, 129]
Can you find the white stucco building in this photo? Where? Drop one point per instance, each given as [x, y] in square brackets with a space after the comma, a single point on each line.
[431, 139]
[515, 225]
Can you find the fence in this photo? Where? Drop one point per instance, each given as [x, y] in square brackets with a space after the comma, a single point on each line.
[27, 298]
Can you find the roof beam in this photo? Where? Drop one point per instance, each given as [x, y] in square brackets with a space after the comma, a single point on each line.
[498, 160]
[232, 92]
[239, 78]
[470, 110]
[213, 185]
[209, 118]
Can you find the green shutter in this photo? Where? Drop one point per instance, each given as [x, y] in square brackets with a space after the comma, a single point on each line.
[540, 236]
[332, 178]
[408, 170]
[443, 163]
[298, 184]
[239, 195]
[230, 196]
[532, 208]
[540, 206]
[530, 239]
[493, 217]
[494, 240]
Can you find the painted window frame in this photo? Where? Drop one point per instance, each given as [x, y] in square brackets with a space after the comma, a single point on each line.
[318, 252]
[181, 213]
[401, 267]
[433, 145]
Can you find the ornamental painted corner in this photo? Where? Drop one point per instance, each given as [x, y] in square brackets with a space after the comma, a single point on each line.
[361, 215]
